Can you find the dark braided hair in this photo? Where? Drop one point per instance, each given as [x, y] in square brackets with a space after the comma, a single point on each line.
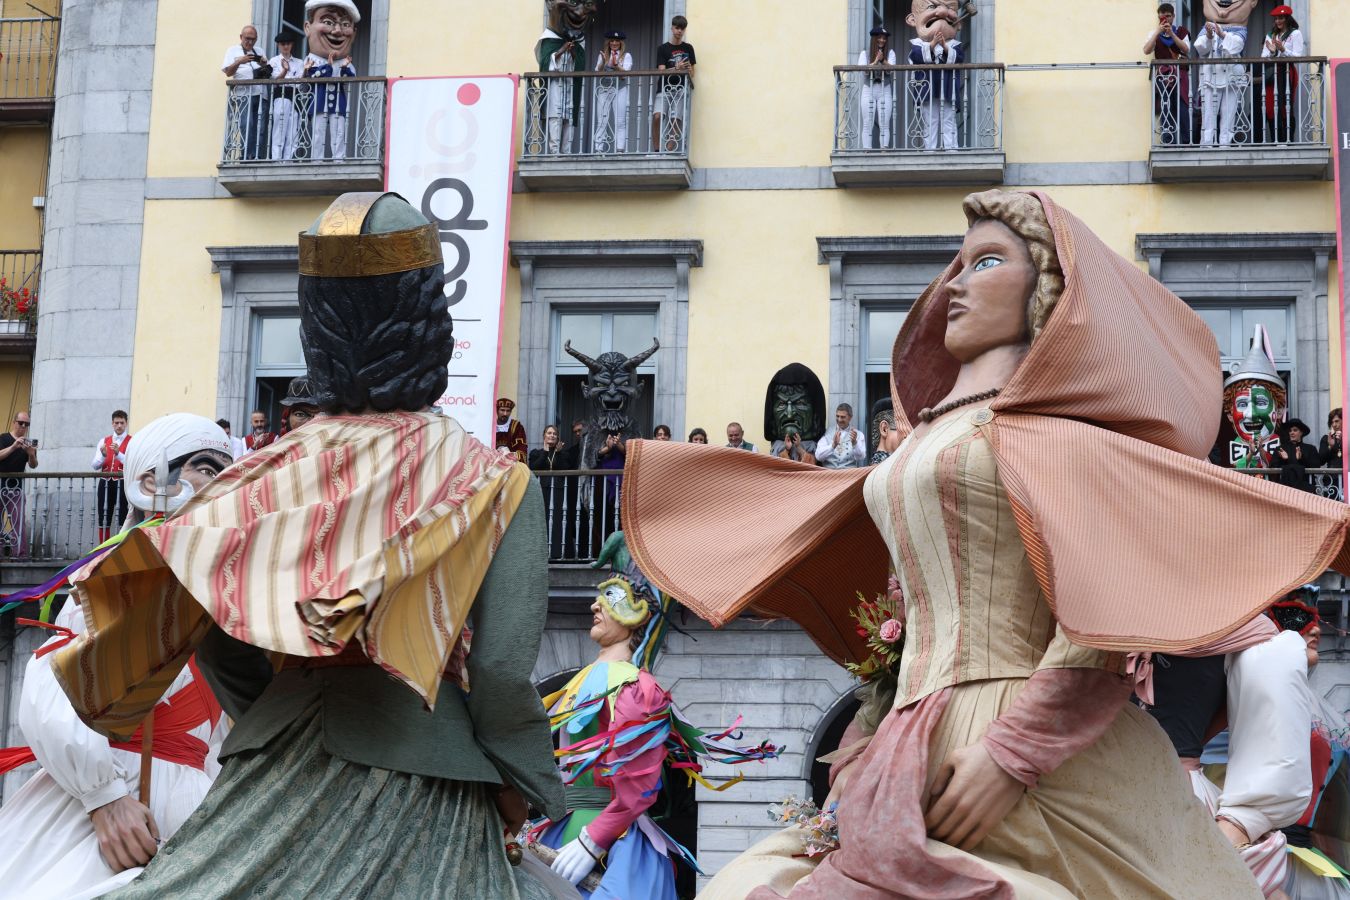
[381, 342]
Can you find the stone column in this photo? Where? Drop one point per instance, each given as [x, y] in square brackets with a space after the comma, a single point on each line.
[92, 231]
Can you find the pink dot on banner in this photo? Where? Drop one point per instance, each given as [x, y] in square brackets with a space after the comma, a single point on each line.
[469, 94]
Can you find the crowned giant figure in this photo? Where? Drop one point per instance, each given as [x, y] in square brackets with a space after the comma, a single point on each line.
[611, 386]
[329, 583]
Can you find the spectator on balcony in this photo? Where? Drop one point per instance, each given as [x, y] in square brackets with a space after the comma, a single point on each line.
[110, 455]
[661, 433]
[1331, 449]
[936, 93]
[842, 446]
[556, 53]
[877, 99]
[736, 438]
[698, 436]
[285, 117]
[330, 26]
[1171, 84]
[248, 105]
[668, 117]
[1293, 455]
[261, 435]
[560, 492]
[1220, 84]
[510, 433]
[17, 453]
[1281, 79]
[237, 448]
[610, 133]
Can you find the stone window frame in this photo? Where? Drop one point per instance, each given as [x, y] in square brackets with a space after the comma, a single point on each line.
[1298, 263]
[920, 259]
[537, 307]
[238, 309]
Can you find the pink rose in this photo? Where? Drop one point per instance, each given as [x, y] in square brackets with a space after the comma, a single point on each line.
[891, 630]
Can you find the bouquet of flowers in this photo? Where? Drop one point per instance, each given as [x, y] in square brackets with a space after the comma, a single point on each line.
[821, 826]
[882, 623]
[17, 304]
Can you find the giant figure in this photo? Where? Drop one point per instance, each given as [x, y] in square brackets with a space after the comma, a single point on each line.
[332, 584]
[1255, 404]
[794, 413]
[1222, 85]
[1011, 763]
[612, 387]
[562, 48]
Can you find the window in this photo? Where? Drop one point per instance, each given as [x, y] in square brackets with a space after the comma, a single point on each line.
[592, 333]
[880, 326]
[1234, 323]
[277, 358]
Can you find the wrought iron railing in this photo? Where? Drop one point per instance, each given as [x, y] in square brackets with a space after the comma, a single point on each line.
[316, 121]
[55, 516]
[607, 115]
[28, 58]
[1239, 102]
[1323, 482]
[880, 109]
[582, 510]
[19, 273]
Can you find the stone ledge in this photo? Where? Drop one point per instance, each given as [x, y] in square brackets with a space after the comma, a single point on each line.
[1172, 164]
[903, 168]
[651, 172]
[262, 178]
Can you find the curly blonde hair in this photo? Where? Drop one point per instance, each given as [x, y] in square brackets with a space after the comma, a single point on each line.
[1024, 214]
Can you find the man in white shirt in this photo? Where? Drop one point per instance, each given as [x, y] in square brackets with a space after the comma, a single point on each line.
[237, 448]
[247, 104]
[842, 447]
[285, 118]
[110, 455]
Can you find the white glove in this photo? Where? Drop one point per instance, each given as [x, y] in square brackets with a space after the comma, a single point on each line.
[577, 858]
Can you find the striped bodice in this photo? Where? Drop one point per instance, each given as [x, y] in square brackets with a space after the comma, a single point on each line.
[974, 609]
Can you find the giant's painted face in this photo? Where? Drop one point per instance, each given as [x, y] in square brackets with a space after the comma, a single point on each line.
[612, 386]
[330, 32]
[934, 20]
[1254, 412]
[1229, 12]
[792, 409]
[571, 17]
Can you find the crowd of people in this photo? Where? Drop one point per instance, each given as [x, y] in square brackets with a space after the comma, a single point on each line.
[307, 120]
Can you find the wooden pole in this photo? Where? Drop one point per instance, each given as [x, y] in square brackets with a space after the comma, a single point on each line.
[147, 754]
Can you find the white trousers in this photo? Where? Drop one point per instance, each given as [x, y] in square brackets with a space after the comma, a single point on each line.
[324, 125]
[1218, 104]
[285, 128]
[609, 130]
[878, 105]
[939, 117]
[559, 133]
[1269, 779]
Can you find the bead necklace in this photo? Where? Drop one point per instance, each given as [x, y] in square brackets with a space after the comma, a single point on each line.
[927, 414]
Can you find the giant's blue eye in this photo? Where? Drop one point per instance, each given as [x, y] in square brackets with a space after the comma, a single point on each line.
[987, 262]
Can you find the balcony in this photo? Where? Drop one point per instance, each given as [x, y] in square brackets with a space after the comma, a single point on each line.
[918, 125]
[1269, 120]
[19, 272]
[279, 142]
[28, 69]
[594, 131]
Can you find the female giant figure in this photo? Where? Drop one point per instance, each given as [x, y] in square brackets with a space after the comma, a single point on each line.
[1048, 510]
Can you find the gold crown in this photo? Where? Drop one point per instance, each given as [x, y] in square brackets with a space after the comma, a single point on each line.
[338, 249]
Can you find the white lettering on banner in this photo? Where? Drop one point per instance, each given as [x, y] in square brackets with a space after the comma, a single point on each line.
[1345, 140]
[450, 155]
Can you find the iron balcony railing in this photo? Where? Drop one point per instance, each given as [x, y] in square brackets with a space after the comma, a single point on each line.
[28, 59]
[956, 107]
[55, 516]
[1323, 482]
[582, 510]
[1239, 102]
[315, 121]
[19, 272]
[603, 114]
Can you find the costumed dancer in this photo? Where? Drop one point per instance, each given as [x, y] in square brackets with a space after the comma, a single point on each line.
[617, 729]
[367, 597]
[110, 455]
[1037, 343]
[936, 93]
[1222, 85]
[560, 49]
[77, 829]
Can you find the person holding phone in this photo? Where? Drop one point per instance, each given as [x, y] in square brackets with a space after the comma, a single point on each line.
[1171, 84]
[17, 453]
[251, 111]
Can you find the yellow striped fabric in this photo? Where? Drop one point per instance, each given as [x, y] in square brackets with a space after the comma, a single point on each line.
[376, 528]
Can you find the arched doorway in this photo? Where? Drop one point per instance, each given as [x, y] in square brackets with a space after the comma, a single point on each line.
[826, 740]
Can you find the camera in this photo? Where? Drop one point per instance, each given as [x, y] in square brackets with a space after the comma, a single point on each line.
[33, 443]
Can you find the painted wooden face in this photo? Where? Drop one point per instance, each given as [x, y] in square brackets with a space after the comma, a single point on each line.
[1229, 12]
[987, 300]
[934, 20]
[1254, 412]
[330, 31]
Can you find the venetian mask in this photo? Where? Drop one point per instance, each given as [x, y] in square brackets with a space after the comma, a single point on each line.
[792, 409]
[330, 31]
[1229, 12]
[934, 20]
[617, 599]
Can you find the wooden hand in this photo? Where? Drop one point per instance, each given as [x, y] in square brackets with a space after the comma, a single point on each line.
[972, 795]
[127, 833]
